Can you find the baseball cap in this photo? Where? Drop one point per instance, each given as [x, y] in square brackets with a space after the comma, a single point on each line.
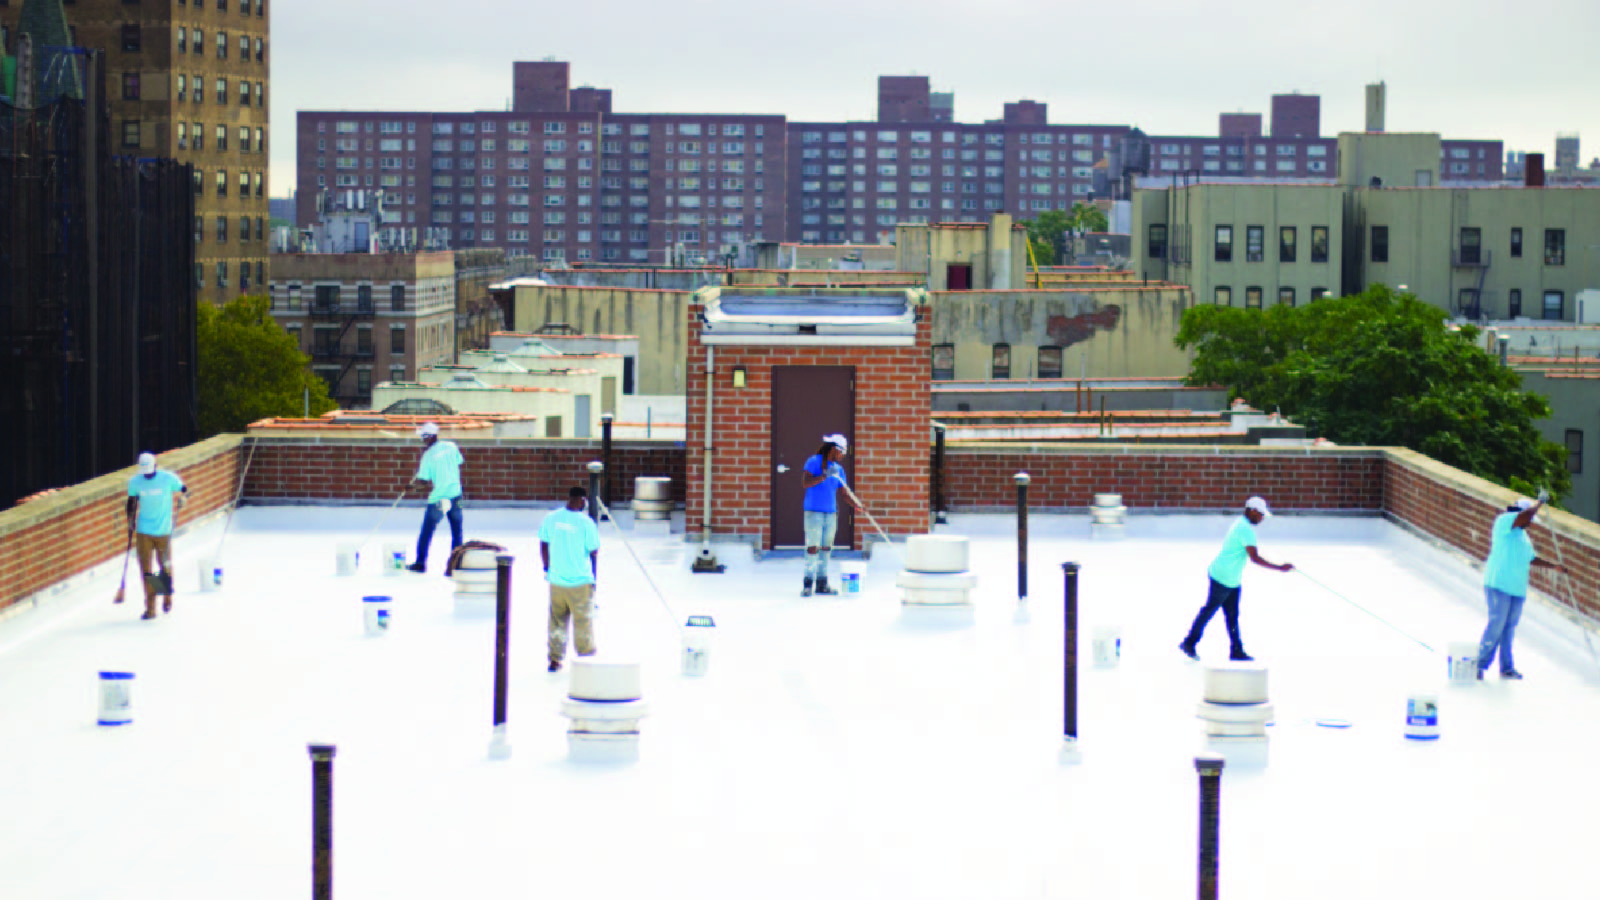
[147, 463]
[1259, 505]
[427, 428]
[1522, 503]
[838, 440]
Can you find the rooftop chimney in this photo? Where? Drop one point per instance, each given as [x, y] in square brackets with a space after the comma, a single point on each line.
[1376, 97]
[1533, 170]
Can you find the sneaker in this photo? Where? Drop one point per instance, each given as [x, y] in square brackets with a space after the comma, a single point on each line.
[1512, 675]
[149, 614]
[1480, 674]
[1189, 652]
[166, 603]
[805, 591]
[555, 666]
[822, 587]
[418, 568]
[1241, 657]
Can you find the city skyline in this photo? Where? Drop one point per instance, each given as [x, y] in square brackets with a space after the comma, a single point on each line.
[646, 59]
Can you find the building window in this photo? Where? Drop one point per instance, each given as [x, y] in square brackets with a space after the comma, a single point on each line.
[222, 91]
[363, 381]
[1222, 296]
[397, 340]
[1285, 296]
[1224, 243]
[1555, 247]
[130, 132]
[222, 45]
[1471, 246]
[1380, 243]
[364, 341]
[327, 298]
[1255, 238]
[1554, 305]
[131, 40]
[294, 296]
[222, 137]
[1000, 361]
[364, 298]
[1319, 243]
[1514, 303]
[1158, 242]
[1574, 451]
[1516, 243]
[1317, 293]
[130, 85]
[1287, 237]
[1252, 298]
[397, 298]
[222, 229]
[944, 362]
[1467, 303]
[1049, 362]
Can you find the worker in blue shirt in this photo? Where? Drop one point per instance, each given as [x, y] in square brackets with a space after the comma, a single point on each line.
[154, 495]
[441, 466]
[1227, 573]
[822, 479]
[1505, 582]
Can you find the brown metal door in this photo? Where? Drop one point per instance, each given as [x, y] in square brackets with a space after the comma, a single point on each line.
[807, 403]
[958, 277]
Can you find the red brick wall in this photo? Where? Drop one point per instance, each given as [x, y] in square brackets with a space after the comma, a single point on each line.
[67, 532]
[891, 432]
[308, 469]
[1179, 478]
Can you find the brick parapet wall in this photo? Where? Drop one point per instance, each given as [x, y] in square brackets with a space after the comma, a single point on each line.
[980, 476]
[1458, 510]
[892, 403]
[66, 533]
[328, 470]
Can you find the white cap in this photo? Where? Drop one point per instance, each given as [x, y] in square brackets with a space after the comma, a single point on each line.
[147, 463]
[1523, 503]
[427, 428]
[1259, 505]
[838, 440]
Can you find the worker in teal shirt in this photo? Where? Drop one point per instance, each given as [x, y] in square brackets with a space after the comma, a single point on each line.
[1227, 574]
[569, 548]
[152, 496]
[440, 466]
[1505, 582]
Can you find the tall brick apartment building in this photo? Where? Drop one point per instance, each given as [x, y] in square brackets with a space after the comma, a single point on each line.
[188, 79]
[564, 177]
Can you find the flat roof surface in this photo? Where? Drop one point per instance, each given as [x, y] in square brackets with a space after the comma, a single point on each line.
[839, 747]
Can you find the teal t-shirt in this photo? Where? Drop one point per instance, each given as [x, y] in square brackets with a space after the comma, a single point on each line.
[441, 465]
[155, 501]
[1228, 567]
[572, 536]
[1510, 556]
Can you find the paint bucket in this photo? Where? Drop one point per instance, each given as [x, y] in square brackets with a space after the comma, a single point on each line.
[376, 610]
[210, 570]
[850, 578]
[1107, 646]
[394, 558]
[116, 698]
[1463, 663]
[697, 644]
[349, 559]
[1422, 717]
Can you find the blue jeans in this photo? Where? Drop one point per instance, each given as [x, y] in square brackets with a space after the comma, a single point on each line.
[820, 527]
[1504, 611]
[430, 521]
[1225, 598]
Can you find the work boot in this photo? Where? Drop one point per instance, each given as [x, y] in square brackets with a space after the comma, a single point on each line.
[1189, 652]
[417, 567]
[1241, 656]
[555, 666]
[805, 591]
[1512, 675]
[822, 586]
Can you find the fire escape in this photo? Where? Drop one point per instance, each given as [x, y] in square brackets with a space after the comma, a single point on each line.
[329, 307]
[1471, 255]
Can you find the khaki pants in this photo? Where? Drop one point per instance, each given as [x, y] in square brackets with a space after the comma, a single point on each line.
[577, 604]
[148, 545]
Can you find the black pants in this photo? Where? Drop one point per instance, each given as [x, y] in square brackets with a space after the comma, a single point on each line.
[1227, 600]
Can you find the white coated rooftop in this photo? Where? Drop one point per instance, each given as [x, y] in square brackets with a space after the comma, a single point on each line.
[838, 747]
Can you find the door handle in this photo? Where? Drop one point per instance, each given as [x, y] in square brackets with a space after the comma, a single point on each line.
[782, 468]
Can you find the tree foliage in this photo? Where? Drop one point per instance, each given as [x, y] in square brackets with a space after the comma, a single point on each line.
[250, 368]
[1380, 369]
[1044, 232]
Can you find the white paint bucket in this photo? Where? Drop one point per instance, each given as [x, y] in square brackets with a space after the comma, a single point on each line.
[1422, 717]
[210, 570]
[1107, 646]
[394, 558]
[349, 559]
[376, 611]
[1463, 662]
[850, 575]
[116, 698]
[697, 644]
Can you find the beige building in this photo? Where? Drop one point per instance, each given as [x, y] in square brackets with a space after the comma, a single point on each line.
[464, 393]
[189, 81]
[367, 318]
[965, 256]
[1481, 253]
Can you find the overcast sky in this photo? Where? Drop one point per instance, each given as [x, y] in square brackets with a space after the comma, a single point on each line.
[1517, 72]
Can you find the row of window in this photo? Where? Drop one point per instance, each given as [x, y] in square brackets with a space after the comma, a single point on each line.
[197, 40]
[1222, 295]
[1255, 236]
[1470, 252]
[245, 181]
[193, 88]
[329, 298]
[222, 5]
[947, 137]
[222, 274]
[1048, 365]
[193, 137]
[245, 232]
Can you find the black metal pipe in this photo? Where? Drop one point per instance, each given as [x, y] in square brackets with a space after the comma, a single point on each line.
[605, 457]
[595, 468]
[938, 475]
[1022, 534]
[322, 820]
[502, 635]
[1210, 769]
[1069, 700]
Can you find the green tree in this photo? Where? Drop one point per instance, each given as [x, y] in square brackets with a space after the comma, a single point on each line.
[250, 368]
[1044, 233]
[1380, 369]
[1087, 217]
